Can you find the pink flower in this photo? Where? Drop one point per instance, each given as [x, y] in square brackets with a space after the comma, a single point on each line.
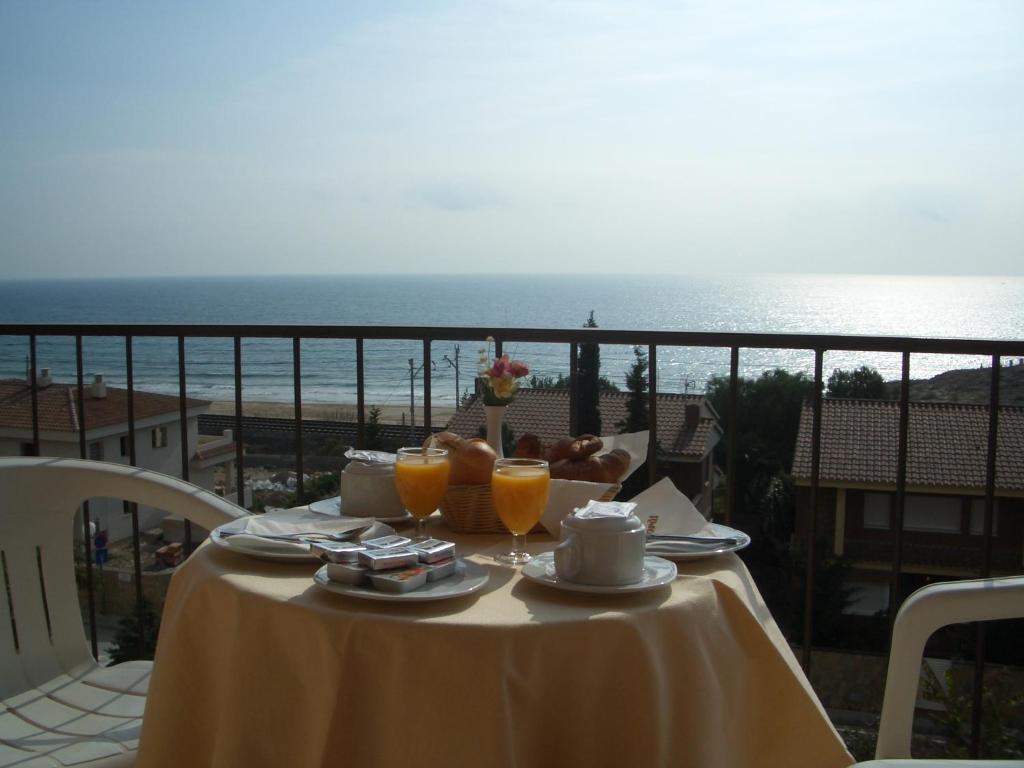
[518, 369]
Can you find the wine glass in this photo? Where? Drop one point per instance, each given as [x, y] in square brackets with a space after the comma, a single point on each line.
[520, 491]
[421, 477]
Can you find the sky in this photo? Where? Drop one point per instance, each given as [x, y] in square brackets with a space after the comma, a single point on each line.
[197, 138]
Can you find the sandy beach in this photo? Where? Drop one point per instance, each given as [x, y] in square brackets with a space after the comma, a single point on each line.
[389, 414]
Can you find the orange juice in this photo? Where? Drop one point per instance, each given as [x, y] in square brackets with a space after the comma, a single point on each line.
[520, 496]
[421, 482]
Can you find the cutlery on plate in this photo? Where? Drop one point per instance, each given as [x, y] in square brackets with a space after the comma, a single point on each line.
[668, 538]
[303, 535]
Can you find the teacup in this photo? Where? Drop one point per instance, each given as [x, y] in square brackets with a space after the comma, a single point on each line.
[601, 550]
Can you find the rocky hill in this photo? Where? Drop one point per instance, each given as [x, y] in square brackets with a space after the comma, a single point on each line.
[967, 386]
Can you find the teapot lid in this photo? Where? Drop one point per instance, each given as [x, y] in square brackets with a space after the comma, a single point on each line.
[605, 516]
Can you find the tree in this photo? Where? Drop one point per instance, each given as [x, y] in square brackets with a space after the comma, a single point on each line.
[127, 644]
[374, 433]
[637, 417]
[865, 383]
[561, 381]
[588, 417]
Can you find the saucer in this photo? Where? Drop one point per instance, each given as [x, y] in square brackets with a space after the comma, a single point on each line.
[657, 573]
[681, 551]
[334, 507]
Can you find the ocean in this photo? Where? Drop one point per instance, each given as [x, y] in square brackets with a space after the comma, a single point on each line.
[938, 307]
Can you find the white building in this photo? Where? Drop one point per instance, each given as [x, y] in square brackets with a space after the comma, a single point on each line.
[157, 438]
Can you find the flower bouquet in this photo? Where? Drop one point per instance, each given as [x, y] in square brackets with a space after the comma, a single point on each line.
[499, 383]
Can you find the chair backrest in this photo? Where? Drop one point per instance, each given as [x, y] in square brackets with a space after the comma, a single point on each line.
[925, 611]
[41, 633]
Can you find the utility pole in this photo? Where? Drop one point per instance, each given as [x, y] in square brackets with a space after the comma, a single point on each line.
[455, 365]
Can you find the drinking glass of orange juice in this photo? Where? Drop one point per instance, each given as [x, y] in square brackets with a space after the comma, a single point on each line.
[520, 491]
[421, 477]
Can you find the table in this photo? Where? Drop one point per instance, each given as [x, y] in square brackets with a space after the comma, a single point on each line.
[257, 666]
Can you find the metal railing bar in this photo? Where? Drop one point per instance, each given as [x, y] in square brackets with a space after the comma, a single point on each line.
[239, 451]
[574, 383]
[986, 553]
[812, 518]
[300, 486]
[86, 534]
[796, 341]
[732, 430]
[360, 396]
[898, 512]
[426, 386]
[183, 422]
[652, 411]
[34, 385]
[133, 508]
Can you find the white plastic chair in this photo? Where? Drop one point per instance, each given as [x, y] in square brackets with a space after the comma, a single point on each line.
[57, 705]
[925, 611]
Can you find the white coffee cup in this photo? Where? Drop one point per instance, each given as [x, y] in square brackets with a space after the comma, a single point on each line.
[601, 551]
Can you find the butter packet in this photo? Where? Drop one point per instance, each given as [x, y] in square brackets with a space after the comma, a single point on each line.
[387, 542]
[433, 550]
[442, 569]
[336, 551]
[405, 580]
[352, 574]
[387, 559]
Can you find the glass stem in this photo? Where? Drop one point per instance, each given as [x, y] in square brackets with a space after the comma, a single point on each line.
[518, 543]
[421, 527]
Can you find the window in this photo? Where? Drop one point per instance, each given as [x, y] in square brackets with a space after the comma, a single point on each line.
[932, 514]
[124, 445]
[96, 451]
[160, 437]
[877, 511]
[978, 517]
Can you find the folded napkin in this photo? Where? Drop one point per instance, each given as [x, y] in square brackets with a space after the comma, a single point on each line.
[664, 509]
[254, 528]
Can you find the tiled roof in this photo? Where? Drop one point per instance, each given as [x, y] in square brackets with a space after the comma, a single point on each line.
[58, 406]
[947, 444]
[545, 413]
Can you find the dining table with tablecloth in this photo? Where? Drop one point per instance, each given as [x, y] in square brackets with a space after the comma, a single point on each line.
[257, 665]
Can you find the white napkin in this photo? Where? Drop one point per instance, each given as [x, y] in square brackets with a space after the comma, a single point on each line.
[664, 509]
[256, 526]
[633, 443]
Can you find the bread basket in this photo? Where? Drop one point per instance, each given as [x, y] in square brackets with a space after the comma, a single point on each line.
[470, 509]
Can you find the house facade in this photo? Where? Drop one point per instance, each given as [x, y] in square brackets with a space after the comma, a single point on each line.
[944, 510]
[157, 438]
[688, 431]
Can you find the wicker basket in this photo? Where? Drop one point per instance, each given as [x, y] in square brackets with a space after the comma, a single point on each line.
[470, 509]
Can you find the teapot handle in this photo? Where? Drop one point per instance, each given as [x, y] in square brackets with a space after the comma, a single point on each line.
[567, 560]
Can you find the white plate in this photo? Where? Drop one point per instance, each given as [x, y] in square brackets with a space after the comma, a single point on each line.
[657, 572]
[680, 551]
[468, 578]
[333, 507]
[269, 550]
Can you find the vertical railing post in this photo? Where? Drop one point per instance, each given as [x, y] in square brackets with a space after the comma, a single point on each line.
[300, 485]
[902, 456]
[574, 383]
[652, 411]
[34, 385]
[239, 451]
[360, 397]
[186, 454]
[133, 508]
[986, 552]
[426, 387]
[90, 588]
[812, 520]
[732, 431]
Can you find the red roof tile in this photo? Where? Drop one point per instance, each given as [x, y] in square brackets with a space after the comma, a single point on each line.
[947, 444]
[58, 406]
[545, 413]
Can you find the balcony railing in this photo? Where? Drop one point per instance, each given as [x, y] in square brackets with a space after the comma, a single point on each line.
[652, 341]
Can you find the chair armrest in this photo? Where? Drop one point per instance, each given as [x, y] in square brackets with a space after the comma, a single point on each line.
[925, 611]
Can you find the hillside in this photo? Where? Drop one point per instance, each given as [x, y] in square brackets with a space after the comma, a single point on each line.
[966, 386]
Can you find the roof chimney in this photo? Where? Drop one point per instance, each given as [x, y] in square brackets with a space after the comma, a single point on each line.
[98, 389]
[43, 380]
[692, 417]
